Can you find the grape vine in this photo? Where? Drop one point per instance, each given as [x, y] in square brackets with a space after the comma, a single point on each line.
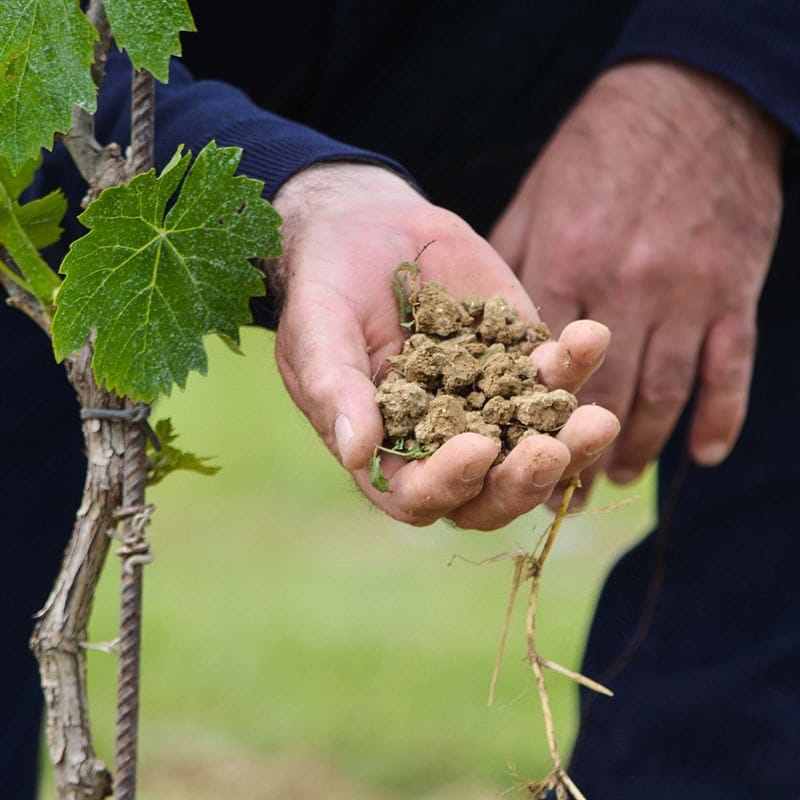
[166, 261]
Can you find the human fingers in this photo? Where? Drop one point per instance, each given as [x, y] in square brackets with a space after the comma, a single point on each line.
[426, 490]
[725, 373]
[667, 376]
[324, 362]
[588, 433]
[571, 360]
[613, 387]
[524, 480]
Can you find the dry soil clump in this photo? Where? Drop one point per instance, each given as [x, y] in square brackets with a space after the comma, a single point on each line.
[465, 367]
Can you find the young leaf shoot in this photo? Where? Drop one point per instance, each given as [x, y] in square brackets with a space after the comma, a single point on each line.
[169, 458]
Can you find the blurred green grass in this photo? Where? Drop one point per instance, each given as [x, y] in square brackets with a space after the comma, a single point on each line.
[299, 644]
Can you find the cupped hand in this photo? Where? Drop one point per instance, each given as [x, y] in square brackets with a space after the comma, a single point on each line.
[347, 227]
[654, 209]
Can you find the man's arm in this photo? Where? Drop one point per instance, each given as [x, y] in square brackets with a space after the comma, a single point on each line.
[655, 208]
[347, 226]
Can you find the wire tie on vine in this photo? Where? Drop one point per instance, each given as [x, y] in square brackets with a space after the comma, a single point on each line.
[133, 416]
[135, 549]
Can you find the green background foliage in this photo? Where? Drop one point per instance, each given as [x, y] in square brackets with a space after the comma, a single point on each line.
[298, 644]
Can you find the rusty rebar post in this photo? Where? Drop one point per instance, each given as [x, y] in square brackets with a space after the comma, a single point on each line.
[134, 550]
[134, 553]
[143, 122]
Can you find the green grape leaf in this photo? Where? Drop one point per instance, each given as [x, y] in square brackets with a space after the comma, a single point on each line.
[152, 283]
[230, 344]
[376, 476]
[150, 32]
[41, 219]
[46, 53]
[34, 275]
[168, 459]
[17, 183]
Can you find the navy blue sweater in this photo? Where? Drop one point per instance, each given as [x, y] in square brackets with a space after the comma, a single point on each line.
[463, 94]
[455, 91]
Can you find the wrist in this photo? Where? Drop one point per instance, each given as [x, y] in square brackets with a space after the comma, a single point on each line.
[326, 200]
[680, 99]
[327, 187]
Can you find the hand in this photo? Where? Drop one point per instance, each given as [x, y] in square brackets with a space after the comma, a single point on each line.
[655, 209]
[347, 227]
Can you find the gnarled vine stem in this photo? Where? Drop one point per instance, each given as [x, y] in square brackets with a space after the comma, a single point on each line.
[60, 634]
[59, 637]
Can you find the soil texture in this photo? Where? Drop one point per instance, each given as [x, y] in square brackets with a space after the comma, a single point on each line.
[466, 367]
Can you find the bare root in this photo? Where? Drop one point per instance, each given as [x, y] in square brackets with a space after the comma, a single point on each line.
[529, 566]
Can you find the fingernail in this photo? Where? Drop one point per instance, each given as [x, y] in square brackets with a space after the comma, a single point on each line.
[711, 453]
[343, 431]
[622, 474]
[472, 472]
[594, 354]
[545, 477]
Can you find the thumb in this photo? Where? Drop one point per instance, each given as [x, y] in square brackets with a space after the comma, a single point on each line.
[323, 359]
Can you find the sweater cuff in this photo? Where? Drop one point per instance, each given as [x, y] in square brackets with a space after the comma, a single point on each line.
[750, 43]
[273, 156]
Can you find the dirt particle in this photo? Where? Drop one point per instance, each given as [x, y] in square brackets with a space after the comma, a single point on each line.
[477, 424]
[466, 368]
[539, 333]
[476, 349]
[544, 411]
[493, 350]
[460, 372]
[505, 375]
[476, 400]
[513, 434]
[425, 364]
[415, 341]
[445, 418]
[473, 305]
[498, 411]
[501, 323]
[403, 404]
[435, 311]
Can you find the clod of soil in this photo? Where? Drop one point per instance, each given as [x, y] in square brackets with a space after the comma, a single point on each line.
[466, 367]
[403, 404]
